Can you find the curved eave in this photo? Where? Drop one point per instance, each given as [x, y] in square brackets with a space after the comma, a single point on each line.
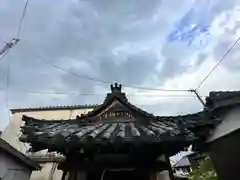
[56, 135]
[188, 120]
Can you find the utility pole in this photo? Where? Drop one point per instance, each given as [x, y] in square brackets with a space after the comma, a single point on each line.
[198, 97]
[9, 45]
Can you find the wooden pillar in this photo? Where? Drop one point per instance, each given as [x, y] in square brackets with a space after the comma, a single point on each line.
[163, 175]
[64, 175]
[170, 171]
[74, 175]
[81, 175]
[153, 175]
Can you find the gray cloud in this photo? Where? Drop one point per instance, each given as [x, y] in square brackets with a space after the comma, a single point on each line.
[189, 105]
[231, 62]
[105, 39]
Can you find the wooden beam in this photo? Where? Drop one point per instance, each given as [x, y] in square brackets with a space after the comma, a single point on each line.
[88, 164]
[64, 175]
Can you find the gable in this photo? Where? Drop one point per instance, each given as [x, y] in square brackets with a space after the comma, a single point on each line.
[116, 111]
[183, 162]
[117, 105]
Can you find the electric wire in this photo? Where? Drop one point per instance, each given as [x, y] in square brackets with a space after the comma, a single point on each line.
[103, 94]
[18, 31]
[7, 93]
[107, 82]
[22, 18]
[218, 63]
[7, 90]
[93, 94]
[6, 52]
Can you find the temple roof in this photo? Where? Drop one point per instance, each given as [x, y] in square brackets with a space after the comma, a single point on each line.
[188, 120]
[46, 133]
[113, 122]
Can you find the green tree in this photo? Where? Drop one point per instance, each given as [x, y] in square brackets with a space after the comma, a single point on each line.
[204, 171]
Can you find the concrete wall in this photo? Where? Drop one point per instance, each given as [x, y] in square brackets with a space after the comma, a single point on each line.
[12, 169]
[12, 133]
[224, 145]
[225, 156]
[230, 123]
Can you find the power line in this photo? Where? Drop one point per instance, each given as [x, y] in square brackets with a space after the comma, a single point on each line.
[107, 82]
[4, 54]
[22, 18]
[219, 62]
[7, 90]
[156, 89]
[4, 51]
[103, 94]
[93, 94]
[73, 73]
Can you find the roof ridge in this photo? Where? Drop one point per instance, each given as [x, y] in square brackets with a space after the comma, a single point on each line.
[224, 91]
[53, 107]
[184, 160]
[220, 99]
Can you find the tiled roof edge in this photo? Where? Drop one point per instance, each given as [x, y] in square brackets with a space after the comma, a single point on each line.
[47, 158]
[222, 99]
[54, 108]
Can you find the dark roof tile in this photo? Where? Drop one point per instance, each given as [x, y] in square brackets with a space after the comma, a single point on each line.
[220, 99]
[74, 132]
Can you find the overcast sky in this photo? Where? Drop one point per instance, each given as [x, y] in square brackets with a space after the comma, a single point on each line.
[159, 43]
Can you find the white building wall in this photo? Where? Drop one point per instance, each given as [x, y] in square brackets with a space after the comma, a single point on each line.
[12, 133]
[182, 171]
[11, 169]
[230, 123]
